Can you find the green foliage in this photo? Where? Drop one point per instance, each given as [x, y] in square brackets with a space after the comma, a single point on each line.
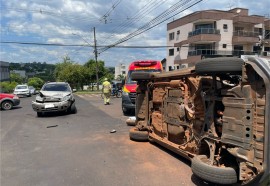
[35, 82]
[120, 77]
[7, 86]
[17, 78]
[42, 70]
[78, 75]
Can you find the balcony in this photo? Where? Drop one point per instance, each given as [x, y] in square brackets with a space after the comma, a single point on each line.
[203, 31]
[204, 35]
[253, 20]
[245, 37]
[210, 52]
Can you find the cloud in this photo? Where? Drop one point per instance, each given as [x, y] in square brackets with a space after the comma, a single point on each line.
[72, 22]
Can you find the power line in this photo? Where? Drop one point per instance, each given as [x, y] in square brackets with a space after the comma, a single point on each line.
[76, 45]
[149, 7]
[156, 21]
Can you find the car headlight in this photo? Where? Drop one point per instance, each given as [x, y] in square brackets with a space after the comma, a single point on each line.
[66, 98]
[38, 98]
[124, 93]
[16, 97]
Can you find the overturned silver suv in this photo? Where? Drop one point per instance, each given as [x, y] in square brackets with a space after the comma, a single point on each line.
[215, 114]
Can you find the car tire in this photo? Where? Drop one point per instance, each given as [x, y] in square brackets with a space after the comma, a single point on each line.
[126, 111]
[119, 94]
[130, 122]
[214, 174]
[72, 108]
[135, 76]
[6, 105]
[219, 65]
[39, 114]
[137, 135]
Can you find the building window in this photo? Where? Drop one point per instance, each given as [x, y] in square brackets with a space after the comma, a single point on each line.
[171, 36]
[224, 45]
[256, 49]
[267, 49]
[267, 34]
[178, 32]
[178, 49]
[171, 52]
[239, 28]
[225, 27]
[258, 31]
[204, 26]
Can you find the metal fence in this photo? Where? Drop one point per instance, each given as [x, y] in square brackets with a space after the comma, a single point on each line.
[203, 31]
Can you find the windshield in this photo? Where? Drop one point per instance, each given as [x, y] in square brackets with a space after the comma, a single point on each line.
[129, 81]
[56, 87]
[21, 87]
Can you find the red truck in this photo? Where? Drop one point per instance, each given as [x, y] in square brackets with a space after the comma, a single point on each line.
[129, 88]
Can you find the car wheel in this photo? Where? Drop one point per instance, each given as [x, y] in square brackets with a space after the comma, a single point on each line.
[119, 94]
[125, 111]
[219, 65]
[137, 135]
[72, 108]
[6, 105]
[221, 175]
[39, 114]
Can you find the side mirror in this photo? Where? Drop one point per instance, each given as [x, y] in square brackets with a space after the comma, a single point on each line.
[74, 90]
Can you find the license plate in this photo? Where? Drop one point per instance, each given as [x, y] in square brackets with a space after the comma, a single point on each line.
[49, 105]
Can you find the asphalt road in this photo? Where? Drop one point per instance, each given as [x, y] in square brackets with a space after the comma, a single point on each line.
[79, 150]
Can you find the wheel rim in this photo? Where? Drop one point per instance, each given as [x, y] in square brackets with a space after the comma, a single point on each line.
[7, 105]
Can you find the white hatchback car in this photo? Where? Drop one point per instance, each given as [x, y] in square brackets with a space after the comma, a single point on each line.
[22, 90]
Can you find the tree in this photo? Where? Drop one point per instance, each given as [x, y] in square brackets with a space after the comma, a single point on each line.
[120, 77]
[7, 87]
[73, 73]
[17, 78]
[35, 82]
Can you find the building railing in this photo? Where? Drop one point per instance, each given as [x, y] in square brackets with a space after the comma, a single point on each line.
[219, 52]
[203, 31]
[242, 33]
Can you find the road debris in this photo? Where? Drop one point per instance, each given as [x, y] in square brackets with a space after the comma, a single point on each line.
[113, 131]
[52, 126]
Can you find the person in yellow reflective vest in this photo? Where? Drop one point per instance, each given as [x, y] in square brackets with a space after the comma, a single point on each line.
[106, 89]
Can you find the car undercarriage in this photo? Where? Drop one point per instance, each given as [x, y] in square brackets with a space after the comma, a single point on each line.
[215, 114]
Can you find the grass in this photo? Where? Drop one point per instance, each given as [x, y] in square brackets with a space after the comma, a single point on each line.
[88, 92]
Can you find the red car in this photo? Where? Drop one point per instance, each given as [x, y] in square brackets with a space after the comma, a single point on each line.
[7, 101]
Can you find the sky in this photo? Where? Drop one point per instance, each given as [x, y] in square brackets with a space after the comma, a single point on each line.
[66, 27]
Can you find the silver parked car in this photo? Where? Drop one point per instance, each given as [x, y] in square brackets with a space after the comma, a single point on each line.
[32, 90]
[54, 97]
[22, 90]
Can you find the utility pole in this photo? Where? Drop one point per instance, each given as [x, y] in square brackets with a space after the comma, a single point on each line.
[95, 51]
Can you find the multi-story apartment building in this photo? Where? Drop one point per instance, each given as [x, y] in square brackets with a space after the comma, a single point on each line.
[214, 33]
[120, 69]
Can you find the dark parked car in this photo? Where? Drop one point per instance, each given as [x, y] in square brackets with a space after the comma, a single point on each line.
[8, 101]
[216, 114]
[54, 97]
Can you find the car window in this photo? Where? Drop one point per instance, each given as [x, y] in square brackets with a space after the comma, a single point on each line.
[56, 87]
[21, 87]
